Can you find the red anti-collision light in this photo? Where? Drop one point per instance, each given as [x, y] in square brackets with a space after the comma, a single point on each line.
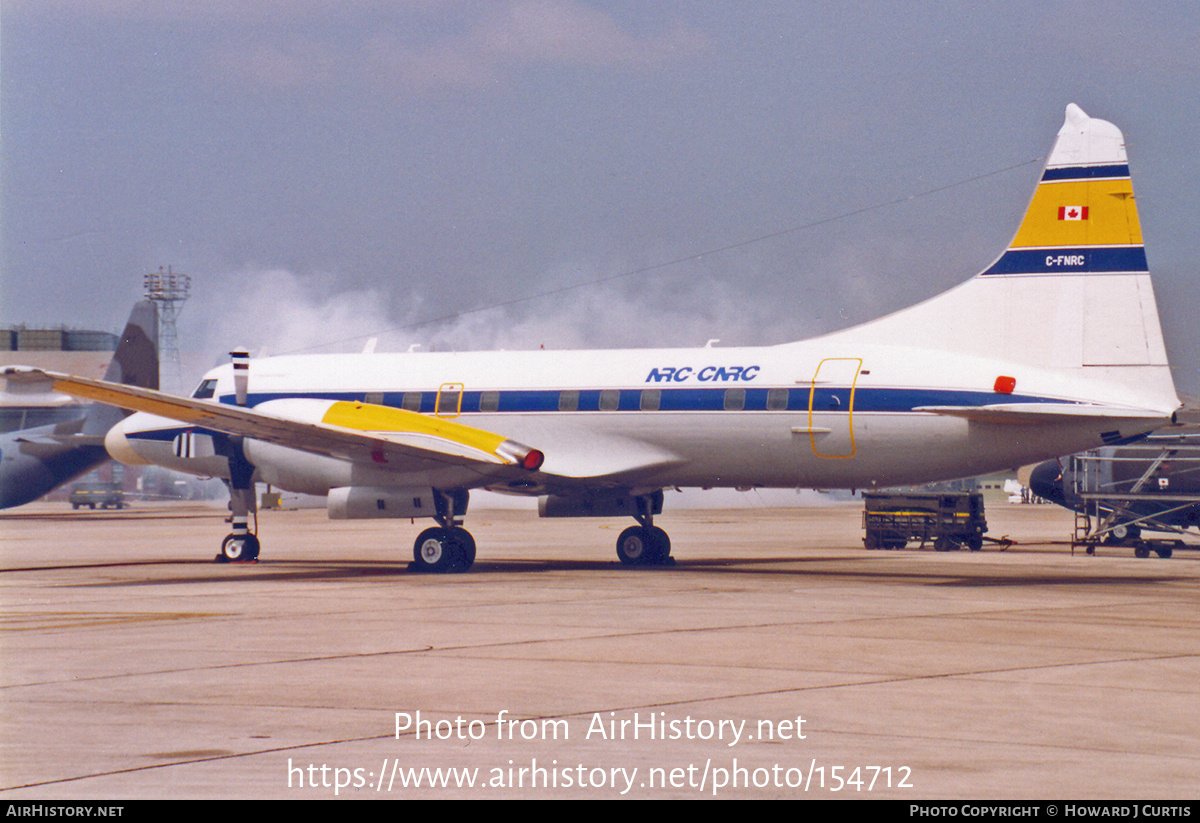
[1005, 385]
[533, 461]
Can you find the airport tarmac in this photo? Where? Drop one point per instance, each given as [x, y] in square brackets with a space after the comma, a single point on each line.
[777, 658]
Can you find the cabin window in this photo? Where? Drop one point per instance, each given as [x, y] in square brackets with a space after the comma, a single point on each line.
[777, 400]
[489, 401]
[610, 399]
[568, 400]
[651, 399]
[373, 397]
[411, 401]
[735, 399]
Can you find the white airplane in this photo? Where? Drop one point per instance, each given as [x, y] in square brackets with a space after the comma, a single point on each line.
[1054, 348]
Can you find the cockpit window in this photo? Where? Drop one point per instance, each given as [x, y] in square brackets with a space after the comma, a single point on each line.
[205, 390]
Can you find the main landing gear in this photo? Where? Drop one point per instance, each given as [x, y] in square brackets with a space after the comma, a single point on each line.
[447, 547]
[442, 549]
[645, 544]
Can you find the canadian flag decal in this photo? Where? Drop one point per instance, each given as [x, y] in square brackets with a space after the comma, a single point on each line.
[1072, 212]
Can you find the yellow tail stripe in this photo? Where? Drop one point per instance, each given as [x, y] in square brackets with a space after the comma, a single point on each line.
[1112, 218]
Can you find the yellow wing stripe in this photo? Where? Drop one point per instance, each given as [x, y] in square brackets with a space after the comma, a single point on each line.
[89, 391]
[1112, 218]
[367, 417]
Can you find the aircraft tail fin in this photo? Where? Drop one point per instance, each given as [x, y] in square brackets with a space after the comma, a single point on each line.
[1082, 218]
[1071, 292]
[134, 363]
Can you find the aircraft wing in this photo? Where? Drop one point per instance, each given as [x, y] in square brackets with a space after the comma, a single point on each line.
[1040, 412]
[334, 428]
[381, 435]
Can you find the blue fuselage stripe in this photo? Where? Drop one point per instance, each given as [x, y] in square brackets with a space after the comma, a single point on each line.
[761, 399]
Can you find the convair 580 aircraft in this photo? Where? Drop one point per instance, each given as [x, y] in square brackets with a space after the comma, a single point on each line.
[1054, 348]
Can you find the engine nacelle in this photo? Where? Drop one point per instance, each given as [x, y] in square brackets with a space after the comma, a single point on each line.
[361, 502]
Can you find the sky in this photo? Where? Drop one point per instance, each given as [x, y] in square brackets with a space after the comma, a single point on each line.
[561, 173]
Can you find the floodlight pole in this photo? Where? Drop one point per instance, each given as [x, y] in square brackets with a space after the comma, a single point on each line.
[170, 290]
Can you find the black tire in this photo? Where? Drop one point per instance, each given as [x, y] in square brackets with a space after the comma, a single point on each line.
[1123, 534]
[466, 546]
[436, 550]
[661, 550]
[635, 547]
[237, 548]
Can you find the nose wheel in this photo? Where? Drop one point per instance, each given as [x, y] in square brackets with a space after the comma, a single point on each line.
[239, 548]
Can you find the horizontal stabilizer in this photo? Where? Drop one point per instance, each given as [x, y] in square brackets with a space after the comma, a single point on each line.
[52, 445]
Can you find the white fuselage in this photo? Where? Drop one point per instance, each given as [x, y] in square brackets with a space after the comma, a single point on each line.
[807, 414]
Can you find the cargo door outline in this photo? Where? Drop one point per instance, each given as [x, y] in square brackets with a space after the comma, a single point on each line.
[832, 396]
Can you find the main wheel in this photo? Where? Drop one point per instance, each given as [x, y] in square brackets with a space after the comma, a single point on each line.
[634, 546]
[641, 546]
[466, 545]
[661, 550]
[239, 547]
[436, 550]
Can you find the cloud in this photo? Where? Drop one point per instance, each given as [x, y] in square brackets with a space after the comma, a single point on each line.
[279, 311]
[459, 48]
[275, 311]
[565, 32]
[410, 47]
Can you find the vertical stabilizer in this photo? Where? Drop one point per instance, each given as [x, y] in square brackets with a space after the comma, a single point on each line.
[1071, 292]
[134, 363]
[1082, 218]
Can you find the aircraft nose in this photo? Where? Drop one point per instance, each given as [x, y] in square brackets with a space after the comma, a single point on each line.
[119, 447]
[1046, 482]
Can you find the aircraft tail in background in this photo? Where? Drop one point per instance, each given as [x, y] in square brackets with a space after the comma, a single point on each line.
[35, 461]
